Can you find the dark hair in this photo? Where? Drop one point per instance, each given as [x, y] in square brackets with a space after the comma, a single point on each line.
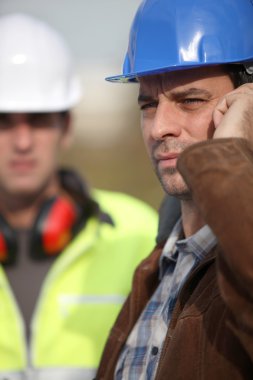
[239, 75]
[64, 113]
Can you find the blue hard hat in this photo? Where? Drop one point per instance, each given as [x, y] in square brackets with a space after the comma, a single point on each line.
[168, 35]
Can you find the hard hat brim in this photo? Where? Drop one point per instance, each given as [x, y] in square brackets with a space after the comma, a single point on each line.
[133, 77]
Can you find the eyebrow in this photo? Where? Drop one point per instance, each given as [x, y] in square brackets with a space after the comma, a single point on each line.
[190, 91]
[145, 98]
[177, 94]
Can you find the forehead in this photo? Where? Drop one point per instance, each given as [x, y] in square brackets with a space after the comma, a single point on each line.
[206, 78]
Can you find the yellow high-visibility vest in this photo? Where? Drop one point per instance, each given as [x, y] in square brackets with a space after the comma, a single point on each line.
[80, 297]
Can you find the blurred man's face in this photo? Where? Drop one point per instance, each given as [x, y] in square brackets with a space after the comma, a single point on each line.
[176, 111]
[29, 149]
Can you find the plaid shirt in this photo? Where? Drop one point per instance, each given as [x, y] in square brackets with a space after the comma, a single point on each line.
[140, 356]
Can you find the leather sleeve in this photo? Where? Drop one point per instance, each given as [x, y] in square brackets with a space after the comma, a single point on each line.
[219, 174]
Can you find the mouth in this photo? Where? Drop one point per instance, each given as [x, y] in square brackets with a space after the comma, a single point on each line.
[22, 165]
[168, 160]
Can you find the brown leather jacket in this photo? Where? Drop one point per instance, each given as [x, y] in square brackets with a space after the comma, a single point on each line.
[210, 336]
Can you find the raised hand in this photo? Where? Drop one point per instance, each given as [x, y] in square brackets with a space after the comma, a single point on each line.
[233, 115]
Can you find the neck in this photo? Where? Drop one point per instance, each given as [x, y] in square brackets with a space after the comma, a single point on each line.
[20, 211]
[191, 219]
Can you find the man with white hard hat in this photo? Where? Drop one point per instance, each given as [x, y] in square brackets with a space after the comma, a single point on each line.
[67, 254]
[190, 313]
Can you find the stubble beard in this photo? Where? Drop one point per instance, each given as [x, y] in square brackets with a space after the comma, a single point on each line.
[172, 186]
[170, 178]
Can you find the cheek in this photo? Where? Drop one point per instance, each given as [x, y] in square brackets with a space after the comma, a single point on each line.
[48, 147]
[146, 135]
[51, 139]
[202, 127]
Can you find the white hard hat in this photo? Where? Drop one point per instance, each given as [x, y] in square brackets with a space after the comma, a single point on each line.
[36, 69]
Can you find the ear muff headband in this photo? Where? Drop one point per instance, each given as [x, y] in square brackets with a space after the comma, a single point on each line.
[58, 221]
[8, 243]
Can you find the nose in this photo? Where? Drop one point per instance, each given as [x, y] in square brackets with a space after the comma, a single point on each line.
[23, 136]
[166, 120]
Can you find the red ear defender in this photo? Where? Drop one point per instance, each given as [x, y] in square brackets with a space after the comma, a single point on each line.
[54, 227]
[58, 226]
[3, 249]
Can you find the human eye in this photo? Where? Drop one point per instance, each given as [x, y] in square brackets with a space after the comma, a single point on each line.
[193, 100]
[40, 120]
[5, 122]
[147, 106]
[192, 103]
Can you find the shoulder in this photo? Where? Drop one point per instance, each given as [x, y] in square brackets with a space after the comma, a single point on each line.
[124, 208]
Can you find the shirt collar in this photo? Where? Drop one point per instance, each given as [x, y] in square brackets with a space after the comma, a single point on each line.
[198, 244]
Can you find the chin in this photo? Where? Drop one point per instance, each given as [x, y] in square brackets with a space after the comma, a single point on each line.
[176, 188]
[23, 192]
[24, 188]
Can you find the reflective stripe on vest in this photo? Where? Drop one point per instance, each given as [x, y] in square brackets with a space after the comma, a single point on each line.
[67, 300]
[50, 374]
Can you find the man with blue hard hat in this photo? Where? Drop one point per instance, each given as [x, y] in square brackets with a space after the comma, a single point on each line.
[190, 313]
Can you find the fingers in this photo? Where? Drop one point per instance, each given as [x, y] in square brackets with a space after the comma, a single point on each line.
[219, 111]
[233, 114]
